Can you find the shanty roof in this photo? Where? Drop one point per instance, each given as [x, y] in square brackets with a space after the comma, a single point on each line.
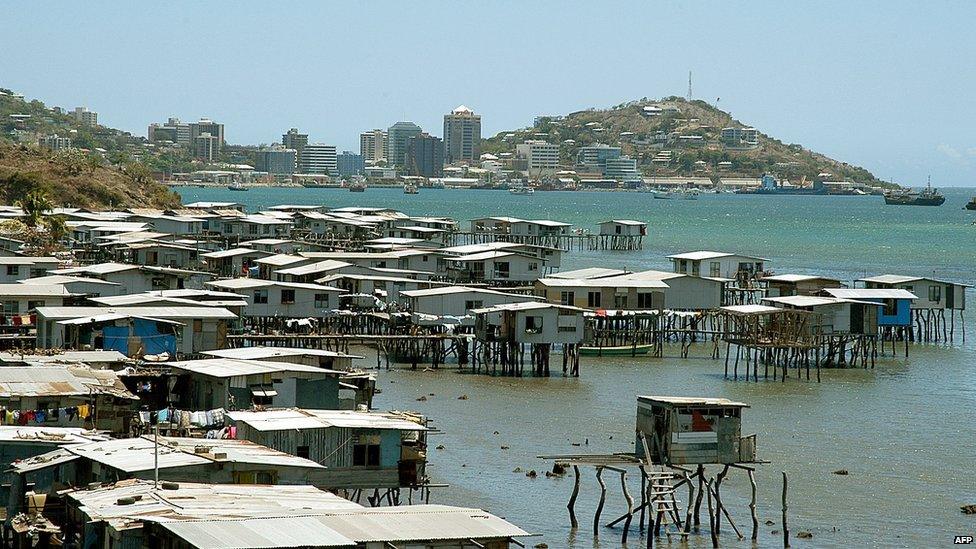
[793, 278]
[810, 301]
[50, 381]
[229, 367]
[65, 279]
[494, 254]
[704, 254]
[624, 281]
[312, 268]
[589, 272]
[624, 222]
[902, 279]
[262, 353]
[50, 435]
[25, 260]
[458, 290]
[65, 356]
[751, 309]
[281, 259]
[692, 401]
[397, 525]
[297, 418]
[169, 313]
[137, 454]
[255, 533]
[201, 501]
[247, 283]
[34, 290]
[234, 252]
[526, 306]
[871, 293]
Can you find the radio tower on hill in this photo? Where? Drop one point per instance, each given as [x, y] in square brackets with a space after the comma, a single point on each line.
[689, 85]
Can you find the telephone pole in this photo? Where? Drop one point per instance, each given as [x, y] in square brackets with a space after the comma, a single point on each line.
[689, 85]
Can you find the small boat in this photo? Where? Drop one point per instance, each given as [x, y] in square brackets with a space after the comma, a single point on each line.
[971, 205]
[357, 188]
[237, 186]
[410, 189]
[617, 350]
[679, 194]
[521, 190]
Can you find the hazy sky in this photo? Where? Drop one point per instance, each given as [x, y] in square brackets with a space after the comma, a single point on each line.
[886, 85]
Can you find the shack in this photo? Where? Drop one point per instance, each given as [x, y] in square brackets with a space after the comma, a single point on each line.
[134, 330]
[934, 299]
[233, 262]
[227, 383]
[692, 431]
[362, 450]
[219, 461]
[64, 396]
[782, 285]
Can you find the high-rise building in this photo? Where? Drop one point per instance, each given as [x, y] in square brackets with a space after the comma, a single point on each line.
[173, 130]
[318, 158]
[85, 117]
[397, 138]
[372, 146]
[205, 147]
[55, 142]
[294, 140]
[462, 136]
[425, 156]
[350, 163]
[622, 168]
[205, 125]
[276, 160]
[538, 155]
[594, 157]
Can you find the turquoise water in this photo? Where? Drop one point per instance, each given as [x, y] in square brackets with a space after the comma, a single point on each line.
[905, 430]
[846, 236]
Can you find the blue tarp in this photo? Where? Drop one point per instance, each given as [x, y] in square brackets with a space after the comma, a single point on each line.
[153, 343]
[116, 338]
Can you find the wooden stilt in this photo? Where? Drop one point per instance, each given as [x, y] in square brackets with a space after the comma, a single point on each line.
[603, 499]
[572, 499]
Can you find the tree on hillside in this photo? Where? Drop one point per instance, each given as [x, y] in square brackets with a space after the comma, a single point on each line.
[34, 204]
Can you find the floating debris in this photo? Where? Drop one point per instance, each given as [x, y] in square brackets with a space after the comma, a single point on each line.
[842, 472]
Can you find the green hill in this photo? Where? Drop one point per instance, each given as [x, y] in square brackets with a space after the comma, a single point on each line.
[98, 172]
[675, 137]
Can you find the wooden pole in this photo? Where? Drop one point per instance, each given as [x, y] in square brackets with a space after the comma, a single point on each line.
[572, 499]
[752, 506]
[712, 519]
[786, 530]
[630, 506]
[603, 499]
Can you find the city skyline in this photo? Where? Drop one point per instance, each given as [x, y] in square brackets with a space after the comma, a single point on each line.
[837, 82]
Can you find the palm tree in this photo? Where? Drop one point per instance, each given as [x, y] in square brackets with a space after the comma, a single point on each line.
[34, 204]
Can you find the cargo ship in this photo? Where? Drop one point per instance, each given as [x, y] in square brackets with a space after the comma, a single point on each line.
[908, 197]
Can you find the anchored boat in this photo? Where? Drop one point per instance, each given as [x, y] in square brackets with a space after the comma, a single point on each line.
[908, 197]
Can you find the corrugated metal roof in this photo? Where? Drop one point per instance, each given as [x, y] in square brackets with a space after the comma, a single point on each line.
[705, 401]
[871, 293]
[200, 501]
[63, 313]
[297, 418]
[261, 353]
[392, 524]
[138, 454]
[25, 381]
[705, 254]
[797, 278]
[751, 309]
[229, 367]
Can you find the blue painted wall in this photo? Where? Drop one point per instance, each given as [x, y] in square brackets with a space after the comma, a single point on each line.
[901, 317]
